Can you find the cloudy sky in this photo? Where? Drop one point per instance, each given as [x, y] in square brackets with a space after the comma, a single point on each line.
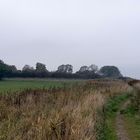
[79, 32]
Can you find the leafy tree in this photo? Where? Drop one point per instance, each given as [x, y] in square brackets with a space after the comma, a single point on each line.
[27, 68]
[41, 70]
[6, 70]
[28, 71]
[88, 72]
[13, 68]
[83, 69]
[1, 62]
[110, 71]
[40, 67]
[93, 68]
[65, 69]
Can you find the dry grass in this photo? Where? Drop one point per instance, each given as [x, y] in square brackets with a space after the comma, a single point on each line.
[56, 114]
[136, 97]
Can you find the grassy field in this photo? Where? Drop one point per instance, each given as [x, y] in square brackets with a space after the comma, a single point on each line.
[12, 85]
[71, 112]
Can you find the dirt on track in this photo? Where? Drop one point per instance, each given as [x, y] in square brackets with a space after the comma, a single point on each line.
[120, 125]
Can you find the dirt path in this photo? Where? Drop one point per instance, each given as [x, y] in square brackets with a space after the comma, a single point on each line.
[120, 129]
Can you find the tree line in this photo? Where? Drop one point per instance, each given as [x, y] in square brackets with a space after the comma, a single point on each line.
[63, 71]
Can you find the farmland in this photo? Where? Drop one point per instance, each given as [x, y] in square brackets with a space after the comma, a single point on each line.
[12, 85]
[41, 109]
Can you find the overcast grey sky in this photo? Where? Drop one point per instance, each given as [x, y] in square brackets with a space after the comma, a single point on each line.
[79, 32]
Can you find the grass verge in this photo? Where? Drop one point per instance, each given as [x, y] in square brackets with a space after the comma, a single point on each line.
[132, 117]
[108, 131]
[132, 123]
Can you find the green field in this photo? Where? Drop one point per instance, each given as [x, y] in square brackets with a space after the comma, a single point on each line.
[12, 85]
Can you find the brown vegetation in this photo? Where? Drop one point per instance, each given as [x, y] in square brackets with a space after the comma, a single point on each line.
[136, 96]
[56, 114]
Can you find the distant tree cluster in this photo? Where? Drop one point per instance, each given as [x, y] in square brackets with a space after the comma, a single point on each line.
[110, 71]
[7, 70]
[63, 71]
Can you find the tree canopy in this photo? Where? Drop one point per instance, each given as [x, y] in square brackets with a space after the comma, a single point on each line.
[110, 71]
[63, 71]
